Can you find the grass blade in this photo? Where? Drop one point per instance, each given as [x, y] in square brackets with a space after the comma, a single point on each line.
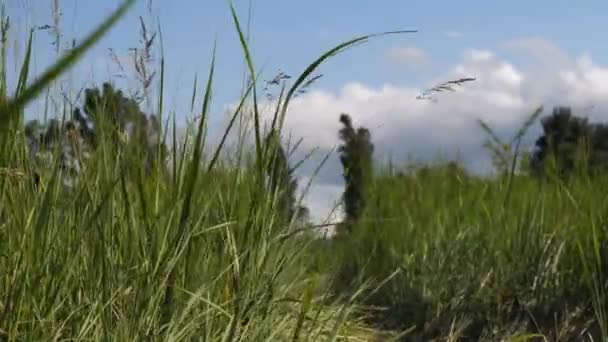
[63, 64]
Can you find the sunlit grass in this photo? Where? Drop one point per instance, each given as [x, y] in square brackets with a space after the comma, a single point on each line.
[125, 254]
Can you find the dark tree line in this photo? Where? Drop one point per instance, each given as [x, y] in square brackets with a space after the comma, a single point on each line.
[108, 115]
[570, 143]
[108, 112]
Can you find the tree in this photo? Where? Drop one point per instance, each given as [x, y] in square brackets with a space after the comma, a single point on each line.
[598, 160]
[356, 158]
[283, 182]
[570, 142]
[566, 138]
[122, 114]
[103, 112]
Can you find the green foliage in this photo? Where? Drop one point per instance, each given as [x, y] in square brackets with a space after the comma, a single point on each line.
[125, 120]
[76, 139]
[283, 183]
[207, 254]
[570, 144]
[130, 255]
[450, 257]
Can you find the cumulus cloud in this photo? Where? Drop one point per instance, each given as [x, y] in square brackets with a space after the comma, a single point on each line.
[403, 128]
[587, 81]
[410, 56]
[323, 201]
[395, 116]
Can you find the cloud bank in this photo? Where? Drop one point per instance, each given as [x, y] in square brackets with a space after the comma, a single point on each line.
[402, 127]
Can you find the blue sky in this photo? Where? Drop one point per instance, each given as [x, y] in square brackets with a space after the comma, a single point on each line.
[523, 54]
[289, 34]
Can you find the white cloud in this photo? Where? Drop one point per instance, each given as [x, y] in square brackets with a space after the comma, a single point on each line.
[410, 56]
[585, 85]
[323, 202]
[503, 95]
[589, 79]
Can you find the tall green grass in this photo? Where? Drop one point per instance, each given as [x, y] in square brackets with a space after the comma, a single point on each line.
[194, 252]
[193, 249]
[459, 260]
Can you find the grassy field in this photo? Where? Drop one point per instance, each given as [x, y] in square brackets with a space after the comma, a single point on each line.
[193, 249]
[480, 258]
